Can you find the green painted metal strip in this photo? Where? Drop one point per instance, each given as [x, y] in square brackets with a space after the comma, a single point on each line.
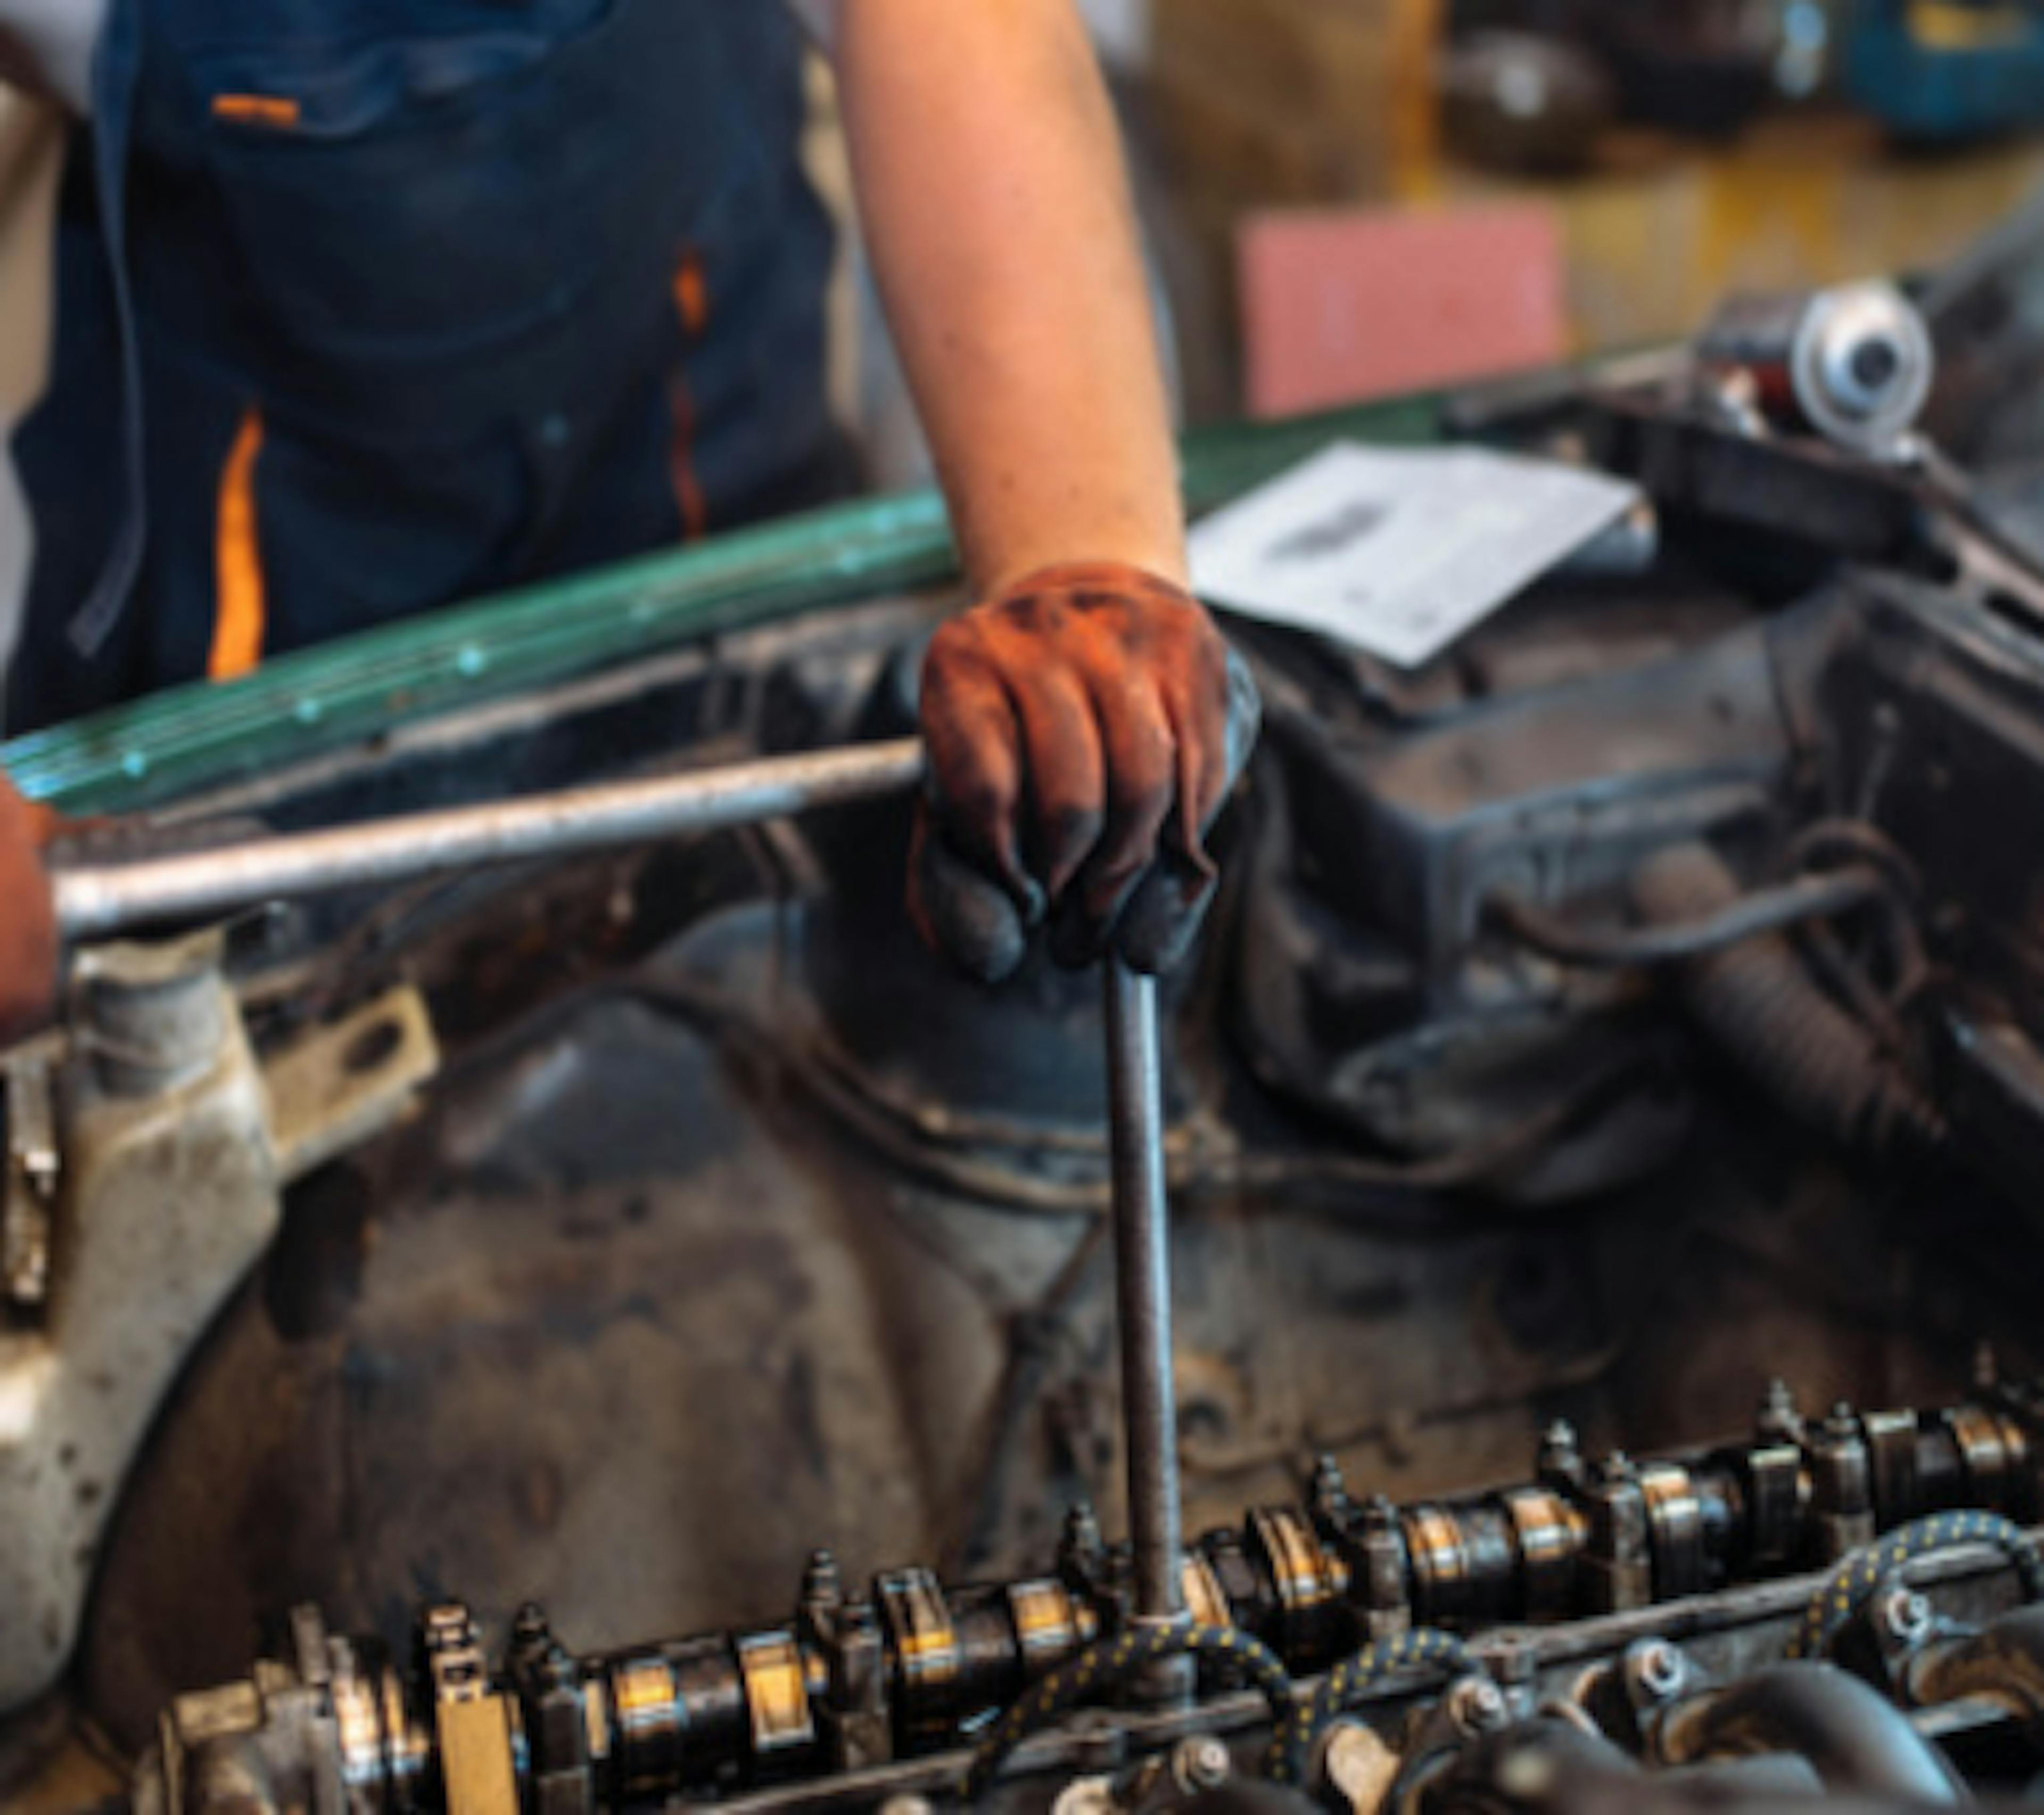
[189, 738]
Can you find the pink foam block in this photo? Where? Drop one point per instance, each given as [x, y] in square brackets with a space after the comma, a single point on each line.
[1340, 305]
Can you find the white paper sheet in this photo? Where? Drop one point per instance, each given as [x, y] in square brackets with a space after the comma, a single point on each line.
[1396, 552]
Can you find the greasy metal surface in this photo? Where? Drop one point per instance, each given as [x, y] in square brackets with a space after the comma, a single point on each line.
[337, 1084]
[96, 900]
[170, 1156]
[133, 1281]
[168, 1173]
[612, 1339]
[28, 1196]
[1723, 1636]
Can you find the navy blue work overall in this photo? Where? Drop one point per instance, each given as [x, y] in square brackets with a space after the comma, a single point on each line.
[367, 306]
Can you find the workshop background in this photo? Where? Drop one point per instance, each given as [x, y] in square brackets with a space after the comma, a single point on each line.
[1348, 199]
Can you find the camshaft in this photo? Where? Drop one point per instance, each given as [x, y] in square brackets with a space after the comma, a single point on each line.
[856, 1679]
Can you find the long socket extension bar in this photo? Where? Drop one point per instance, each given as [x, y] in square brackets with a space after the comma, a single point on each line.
[1142, 1294]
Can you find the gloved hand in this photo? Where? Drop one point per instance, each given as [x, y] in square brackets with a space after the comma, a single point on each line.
[27, 920]
[1083, 731]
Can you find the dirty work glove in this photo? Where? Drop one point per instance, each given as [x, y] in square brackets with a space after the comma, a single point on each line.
[1083, 730]
[28, 919]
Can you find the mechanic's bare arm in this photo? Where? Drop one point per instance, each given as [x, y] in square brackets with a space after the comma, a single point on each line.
[1078, 721]
[991, 180]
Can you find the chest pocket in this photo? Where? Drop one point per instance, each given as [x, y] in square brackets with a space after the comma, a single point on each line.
[418, 205]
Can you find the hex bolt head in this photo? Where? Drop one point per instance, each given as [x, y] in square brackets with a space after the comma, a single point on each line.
[1905, 1616]
[1199, 1761]
[1476, 1705]
[1659, 1670]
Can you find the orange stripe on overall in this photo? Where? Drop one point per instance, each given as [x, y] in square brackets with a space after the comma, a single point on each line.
[240, 608]
[691, 294]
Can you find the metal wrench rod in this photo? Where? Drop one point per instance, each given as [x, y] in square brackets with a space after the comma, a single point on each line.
[1143, 1287]
[97, 901]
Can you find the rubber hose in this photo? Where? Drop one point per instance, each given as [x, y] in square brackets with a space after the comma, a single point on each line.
[1756, 1001]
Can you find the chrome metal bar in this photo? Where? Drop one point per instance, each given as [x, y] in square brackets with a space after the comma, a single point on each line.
[94, 902]
[1143, 1287]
